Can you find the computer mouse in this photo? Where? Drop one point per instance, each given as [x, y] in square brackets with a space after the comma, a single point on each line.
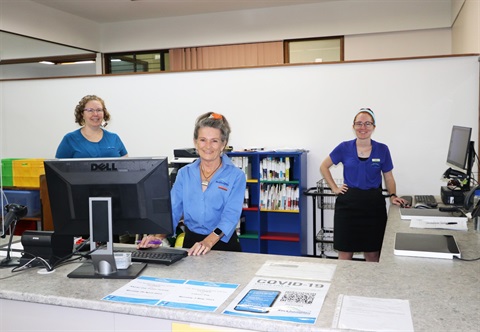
[422, 206]
[145, 248]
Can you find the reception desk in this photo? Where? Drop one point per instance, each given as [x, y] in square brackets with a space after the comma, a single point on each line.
[444, 294]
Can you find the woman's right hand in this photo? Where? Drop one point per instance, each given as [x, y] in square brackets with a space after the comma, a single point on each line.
[340, 190]
[151, 241]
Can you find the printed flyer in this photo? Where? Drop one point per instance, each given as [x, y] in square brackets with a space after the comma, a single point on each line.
[173, 293]
[298, 301]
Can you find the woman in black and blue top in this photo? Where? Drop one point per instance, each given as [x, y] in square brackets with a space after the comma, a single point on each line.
[360, 208]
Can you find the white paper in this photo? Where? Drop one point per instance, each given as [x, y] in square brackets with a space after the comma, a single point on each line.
[372, 314]
[173, 293]
[17, 246]
[460, 225]
[298, 270]
[298, 301]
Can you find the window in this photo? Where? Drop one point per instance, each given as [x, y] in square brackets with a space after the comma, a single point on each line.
[227, 56]
[137, 62]
[314, 50]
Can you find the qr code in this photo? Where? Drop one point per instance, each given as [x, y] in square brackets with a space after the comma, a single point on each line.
[298, 297]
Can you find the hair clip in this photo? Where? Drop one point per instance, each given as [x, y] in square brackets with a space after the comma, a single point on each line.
[216, 116]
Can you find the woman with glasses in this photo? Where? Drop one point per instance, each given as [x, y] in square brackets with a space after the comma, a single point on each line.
[360, 208]
[208, 193]
[91, 140]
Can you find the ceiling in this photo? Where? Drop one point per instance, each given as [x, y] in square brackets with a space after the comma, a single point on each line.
[109, 11]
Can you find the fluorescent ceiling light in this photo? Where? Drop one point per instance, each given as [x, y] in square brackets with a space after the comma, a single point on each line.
[75, 63]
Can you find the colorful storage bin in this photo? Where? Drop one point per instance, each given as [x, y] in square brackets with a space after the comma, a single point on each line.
[26, 172]
[29, 198]
[7, 172]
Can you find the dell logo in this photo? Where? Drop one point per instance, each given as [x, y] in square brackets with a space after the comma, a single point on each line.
[103, 167]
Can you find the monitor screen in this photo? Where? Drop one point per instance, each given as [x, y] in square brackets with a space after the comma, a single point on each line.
[139, 189]
[459, 145]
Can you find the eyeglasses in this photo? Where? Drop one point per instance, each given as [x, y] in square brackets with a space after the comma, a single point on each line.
[367, 124]
[92, 110]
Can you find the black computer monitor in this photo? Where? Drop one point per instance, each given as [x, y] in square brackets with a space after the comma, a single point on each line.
[459, 146]
[106, 196]
[461, 151]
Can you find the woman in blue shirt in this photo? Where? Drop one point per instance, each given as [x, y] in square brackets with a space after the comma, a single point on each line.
[360, 209]
[91, 140]
[208, 193]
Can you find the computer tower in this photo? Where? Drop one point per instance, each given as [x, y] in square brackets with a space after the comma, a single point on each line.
[452, 196]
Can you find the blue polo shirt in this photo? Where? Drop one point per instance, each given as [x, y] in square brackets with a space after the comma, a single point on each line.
[75, 145]
[220, 205]
[362, 174]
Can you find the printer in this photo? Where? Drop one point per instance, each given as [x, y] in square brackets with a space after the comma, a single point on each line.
[181, 157]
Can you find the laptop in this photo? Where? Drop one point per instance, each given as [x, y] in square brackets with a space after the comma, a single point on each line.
[426, 245]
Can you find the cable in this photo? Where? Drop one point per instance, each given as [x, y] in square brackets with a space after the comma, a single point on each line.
[66, 260]
[467, 260]
[28, 264]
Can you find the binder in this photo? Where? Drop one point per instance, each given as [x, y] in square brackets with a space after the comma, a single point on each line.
[426, 245]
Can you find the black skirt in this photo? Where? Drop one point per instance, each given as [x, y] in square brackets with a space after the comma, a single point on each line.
[191, 238]
[360, 220]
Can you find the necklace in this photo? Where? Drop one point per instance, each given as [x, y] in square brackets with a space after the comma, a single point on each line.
[363, 153]
[206, 182]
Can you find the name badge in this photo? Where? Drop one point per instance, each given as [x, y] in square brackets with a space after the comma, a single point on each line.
[376, 160]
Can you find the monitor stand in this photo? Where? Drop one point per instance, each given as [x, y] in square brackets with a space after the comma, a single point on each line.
[9, 261]
[103, 264]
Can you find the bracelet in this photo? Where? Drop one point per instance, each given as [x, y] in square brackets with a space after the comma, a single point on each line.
[393, 195]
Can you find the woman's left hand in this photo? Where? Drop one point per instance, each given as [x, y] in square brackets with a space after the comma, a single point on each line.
[398, 201]
[200, 248]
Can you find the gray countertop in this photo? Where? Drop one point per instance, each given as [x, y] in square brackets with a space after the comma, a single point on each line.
[444, 294]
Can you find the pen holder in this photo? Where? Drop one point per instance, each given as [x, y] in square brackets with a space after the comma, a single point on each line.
[123, 260]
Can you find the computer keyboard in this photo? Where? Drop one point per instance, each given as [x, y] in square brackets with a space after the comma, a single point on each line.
[165, 256]
[426, 199]
[408, 199]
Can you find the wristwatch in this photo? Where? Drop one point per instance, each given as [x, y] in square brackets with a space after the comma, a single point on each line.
[218, 232]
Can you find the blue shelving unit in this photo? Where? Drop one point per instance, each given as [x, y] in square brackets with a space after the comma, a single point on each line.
[274, 224]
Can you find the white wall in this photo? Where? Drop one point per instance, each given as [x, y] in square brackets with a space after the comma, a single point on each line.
[429, 42]
[466, 29]
[304, 106]
[301, 21]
